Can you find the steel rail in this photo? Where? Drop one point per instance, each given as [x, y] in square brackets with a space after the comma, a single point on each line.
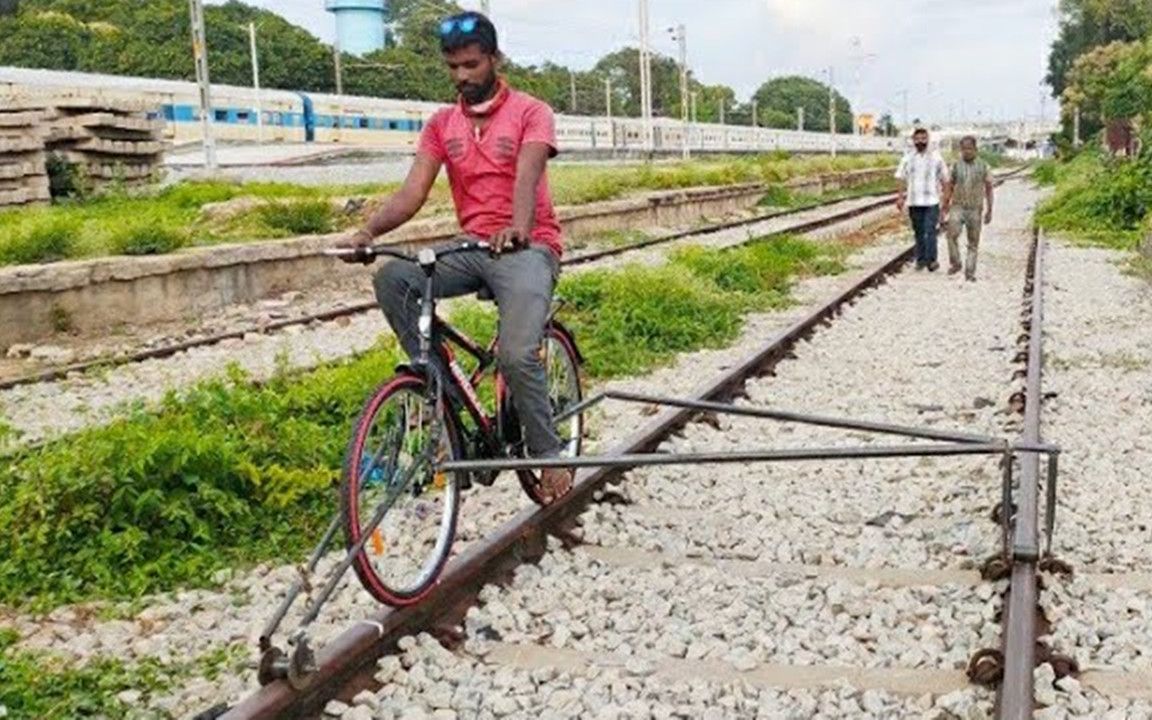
[1016, 696]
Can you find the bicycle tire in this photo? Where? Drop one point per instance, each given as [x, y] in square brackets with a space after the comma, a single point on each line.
[529, 480]
[350, 497]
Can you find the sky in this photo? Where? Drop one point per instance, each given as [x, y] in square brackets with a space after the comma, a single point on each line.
[976, 59]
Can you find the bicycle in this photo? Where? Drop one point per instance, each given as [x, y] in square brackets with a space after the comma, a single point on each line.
[429, 420]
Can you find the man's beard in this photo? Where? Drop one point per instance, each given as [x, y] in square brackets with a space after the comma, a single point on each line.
[921, 146]
[475, 94]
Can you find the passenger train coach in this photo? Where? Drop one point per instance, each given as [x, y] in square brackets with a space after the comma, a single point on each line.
[391, 124]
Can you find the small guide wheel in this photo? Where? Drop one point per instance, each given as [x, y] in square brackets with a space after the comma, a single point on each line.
[273, 666]
[302, 665]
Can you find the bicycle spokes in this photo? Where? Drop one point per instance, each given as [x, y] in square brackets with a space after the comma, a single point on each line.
[406, 441]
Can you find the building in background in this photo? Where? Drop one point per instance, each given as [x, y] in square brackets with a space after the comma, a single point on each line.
[360, 24]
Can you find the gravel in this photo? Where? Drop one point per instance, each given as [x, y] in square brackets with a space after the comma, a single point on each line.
[1099, 378]
[954, 371]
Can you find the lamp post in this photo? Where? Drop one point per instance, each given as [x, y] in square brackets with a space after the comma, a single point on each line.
[200, 52]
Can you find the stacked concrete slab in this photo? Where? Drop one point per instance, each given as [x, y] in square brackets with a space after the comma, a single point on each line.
[23, 174]
[106, 140]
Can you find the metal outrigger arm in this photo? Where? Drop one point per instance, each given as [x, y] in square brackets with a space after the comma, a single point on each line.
[951, 443]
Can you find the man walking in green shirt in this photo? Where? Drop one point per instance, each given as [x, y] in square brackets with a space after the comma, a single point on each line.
[968, 188]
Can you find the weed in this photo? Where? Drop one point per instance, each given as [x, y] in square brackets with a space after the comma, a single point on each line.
[46, 240]
[779, 196]
[61, 319]
[147, 239]
[42, 686]
[303, 217]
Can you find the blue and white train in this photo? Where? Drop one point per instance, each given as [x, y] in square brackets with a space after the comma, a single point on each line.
[394, 124]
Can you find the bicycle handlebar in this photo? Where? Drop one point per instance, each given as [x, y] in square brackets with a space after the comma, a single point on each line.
[426, 256]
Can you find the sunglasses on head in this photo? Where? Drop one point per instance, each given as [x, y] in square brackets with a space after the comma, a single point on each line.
[465, 24]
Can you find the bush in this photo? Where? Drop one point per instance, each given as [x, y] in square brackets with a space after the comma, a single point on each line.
[47, 240]
[1100, 199]
[231, 474]
[305, 217]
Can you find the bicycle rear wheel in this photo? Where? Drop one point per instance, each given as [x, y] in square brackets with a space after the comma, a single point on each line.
[388, 462]
[562, 368]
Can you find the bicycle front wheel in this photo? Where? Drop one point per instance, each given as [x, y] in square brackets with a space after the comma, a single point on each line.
[388, 468]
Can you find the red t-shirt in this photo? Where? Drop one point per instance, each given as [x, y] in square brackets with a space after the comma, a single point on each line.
[482, 164]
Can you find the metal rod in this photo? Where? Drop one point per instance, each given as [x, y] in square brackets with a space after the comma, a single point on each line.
[805, 418]
[298, 584]
[1006, 503]
[338, 572]
[646, 459]
[1050, 509]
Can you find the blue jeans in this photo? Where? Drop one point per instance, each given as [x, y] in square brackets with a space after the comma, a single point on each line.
[925, 223]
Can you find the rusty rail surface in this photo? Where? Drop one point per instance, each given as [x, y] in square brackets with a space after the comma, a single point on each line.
[1021, 615]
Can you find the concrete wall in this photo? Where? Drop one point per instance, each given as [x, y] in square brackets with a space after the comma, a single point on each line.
[93, 296]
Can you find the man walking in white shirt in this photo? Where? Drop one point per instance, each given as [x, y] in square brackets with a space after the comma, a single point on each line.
[925, 176]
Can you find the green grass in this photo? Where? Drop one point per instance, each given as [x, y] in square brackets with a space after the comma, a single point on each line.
[1099, 200]
[233, 473]
[164, 220]
[47, 687]
[779, 196]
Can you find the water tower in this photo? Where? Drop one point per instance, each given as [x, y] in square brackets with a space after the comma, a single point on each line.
[359, 24]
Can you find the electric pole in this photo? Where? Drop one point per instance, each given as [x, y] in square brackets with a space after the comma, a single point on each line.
[645, 78]
[692, 96]
[721, 109]
[832, 108]
[256, 83]
[1076, 142]
[200, 51]
[572, 88]
[608, 97]
[800, 118]
[755, 107]
[339, 70]
[681, 36]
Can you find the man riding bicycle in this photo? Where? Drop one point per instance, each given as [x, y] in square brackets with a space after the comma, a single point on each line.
[496, 143]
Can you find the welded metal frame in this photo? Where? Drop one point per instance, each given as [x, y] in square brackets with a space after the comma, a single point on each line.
[951, 443]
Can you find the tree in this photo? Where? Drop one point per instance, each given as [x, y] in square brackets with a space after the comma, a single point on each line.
[1087, 24]
[1112, 82]
[781, 96]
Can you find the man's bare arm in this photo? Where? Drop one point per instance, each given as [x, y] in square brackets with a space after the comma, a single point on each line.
[404, 203]
[529, 170]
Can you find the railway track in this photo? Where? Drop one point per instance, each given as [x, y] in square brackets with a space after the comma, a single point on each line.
[903, 621]
[169, 350]
[158, 353]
